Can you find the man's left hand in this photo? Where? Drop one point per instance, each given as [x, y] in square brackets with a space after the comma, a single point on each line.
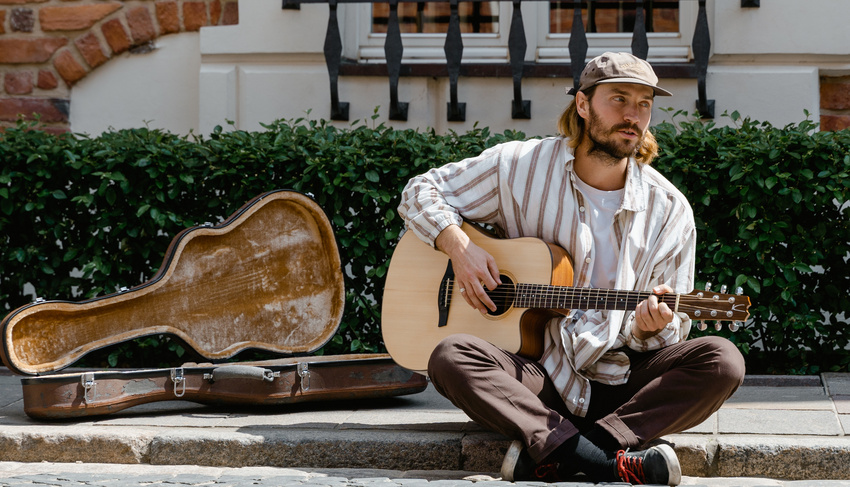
[651, 315]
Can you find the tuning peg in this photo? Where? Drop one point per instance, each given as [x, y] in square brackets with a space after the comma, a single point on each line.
[723, 289]
[702, 326]
[733, 327]
[718, 325]
[708, 286]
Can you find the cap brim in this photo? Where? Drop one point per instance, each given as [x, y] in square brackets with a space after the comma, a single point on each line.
[658, 91]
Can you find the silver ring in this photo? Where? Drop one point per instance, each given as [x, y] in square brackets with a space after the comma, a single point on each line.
[463, 289]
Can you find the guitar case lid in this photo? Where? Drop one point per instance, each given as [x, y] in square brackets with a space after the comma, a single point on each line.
[268, 277]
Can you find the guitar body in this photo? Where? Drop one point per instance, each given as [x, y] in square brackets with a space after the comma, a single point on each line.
[410, 316]
[422, 305]
[268, 277]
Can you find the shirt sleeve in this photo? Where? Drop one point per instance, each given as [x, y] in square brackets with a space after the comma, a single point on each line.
[449, 194]
[676, 269]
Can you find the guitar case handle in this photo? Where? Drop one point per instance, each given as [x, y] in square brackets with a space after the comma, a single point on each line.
[242, 372]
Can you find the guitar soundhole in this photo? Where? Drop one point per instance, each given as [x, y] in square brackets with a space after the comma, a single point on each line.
[503, 296]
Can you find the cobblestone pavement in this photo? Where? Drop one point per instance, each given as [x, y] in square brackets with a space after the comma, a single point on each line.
[14, 474]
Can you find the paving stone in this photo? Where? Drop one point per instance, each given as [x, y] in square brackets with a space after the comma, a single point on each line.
[777, 422]
[324, 480]
[190, 479]
[837, 383]
[844, 420]
[788, 398]
[274, 481]
[842, 403]
[782, 381]
[817, 483]
[451, 483]
[417, 483]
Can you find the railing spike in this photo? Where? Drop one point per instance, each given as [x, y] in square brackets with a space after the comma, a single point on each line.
[640, 44]
[393, 51]
[578, 44]
[333, 58]
[702, 50]
[454, 53]
[517, 46]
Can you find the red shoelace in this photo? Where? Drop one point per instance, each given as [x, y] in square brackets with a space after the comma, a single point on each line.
[547, 471]
[630, 469]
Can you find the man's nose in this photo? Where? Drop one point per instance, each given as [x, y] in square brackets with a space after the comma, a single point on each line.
[631, 114]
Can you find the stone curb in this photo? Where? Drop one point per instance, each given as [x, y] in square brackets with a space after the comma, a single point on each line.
[789, 458]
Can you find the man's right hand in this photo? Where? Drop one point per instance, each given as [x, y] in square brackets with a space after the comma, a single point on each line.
[473, 266]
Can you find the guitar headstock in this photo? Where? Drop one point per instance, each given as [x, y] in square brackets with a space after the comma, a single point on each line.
[714, 306]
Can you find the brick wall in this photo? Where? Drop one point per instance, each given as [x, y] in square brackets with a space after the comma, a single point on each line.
[835, 103]
[48, 45]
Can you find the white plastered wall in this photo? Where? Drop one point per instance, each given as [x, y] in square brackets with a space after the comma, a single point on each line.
[766, 63]
[157, 89]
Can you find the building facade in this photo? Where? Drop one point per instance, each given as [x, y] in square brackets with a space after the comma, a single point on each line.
[190, 65]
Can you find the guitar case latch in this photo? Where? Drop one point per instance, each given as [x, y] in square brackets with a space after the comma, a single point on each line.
[89, 387]
[304, 373]
[179, 381]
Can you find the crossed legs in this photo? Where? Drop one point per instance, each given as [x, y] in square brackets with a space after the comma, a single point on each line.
[668, 391]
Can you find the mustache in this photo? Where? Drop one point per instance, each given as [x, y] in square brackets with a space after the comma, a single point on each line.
[627, 126]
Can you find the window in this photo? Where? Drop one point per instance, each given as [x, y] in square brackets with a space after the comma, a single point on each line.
[433, 18]
[485, 25]
[614, 16]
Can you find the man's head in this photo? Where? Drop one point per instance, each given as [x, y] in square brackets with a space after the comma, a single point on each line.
[624, 87]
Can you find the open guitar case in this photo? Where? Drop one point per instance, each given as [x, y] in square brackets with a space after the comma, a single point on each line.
[268, 278]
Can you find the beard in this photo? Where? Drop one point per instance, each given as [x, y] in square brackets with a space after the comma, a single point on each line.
[604, 146]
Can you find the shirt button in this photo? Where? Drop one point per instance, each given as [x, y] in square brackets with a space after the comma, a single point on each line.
[587, 260]
[581, 401]
[581, 209]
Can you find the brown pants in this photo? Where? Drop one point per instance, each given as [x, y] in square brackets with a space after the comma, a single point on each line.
[669, 391]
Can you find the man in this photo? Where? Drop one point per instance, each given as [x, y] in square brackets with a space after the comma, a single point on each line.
[608, 382]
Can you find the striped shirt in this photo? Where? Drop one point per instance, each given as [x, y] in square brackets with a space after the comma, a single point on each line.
[528, 189]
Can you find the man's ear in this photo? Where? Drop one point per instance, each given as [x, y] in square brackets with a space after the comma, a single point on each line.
[582, 105]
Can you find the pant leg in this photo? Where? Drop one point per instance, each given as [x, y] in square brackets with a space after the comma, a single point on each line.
[502, 391]
[669, 390]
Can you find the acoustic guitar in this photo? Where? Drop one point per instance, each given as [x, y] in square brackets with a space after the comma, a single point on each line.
[421, 304]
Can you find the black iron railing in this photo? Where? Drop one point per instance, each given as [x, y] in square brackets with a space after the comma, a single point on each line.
[517, 68]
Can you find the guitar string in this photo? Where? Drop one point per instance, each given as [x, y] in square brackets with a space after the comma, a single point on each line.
[588, 294]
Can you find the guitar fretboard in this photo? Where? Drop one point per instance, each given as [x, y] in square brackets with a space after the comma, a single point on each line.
[558, 297]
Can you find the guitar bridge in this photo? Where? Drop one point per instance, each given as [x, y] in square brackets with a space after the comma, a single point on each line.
[444, 297]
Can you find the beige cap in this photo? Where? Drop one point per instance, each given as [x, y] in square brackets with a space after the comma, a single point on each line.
[618, 67]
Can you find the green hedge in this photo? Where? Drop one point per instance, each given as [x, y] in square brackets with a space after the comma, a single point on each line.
[81, 217]
[771, 206]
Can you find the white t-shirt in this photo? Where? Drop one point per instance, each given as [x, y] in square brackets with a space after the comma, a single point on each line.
[602, 205]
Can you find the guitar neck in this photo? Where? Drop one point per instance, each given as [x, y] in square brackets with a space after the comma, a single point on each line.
[562, 297]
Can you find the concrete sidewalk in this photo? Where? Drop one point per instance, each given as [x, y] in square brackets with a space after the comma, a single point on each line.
[790, 428]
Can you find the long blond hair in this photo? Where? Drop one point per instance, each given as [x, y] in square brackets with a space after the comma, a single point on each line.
[572, 126]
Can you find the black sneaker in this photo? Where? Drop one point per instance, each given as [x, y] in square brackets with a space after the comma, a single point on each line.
[518, 466]
[658, 465]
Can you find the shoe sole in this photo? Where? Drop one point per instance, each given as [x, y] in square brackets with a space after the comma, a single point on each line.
[510, 461]
[672, 462]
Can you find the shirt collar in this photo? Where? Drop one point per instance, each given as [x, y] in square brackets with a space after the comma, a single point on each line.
[634, 196]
